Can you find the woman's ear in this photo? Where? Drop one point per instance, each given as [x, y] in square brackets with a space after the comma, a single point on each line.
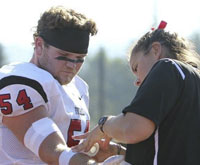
[39, 45]
[157, 49]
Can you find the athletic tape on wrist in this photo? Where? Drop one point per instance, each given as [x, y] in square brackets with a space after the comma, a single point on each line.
[38, 132]
[65, 156]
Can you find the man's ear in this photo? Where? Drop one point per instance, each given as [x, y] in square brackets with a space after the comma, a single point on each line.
[39, 44]
[157, 49]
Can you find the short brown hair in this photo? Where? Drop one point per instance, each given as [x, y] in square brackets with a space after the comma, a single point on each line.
[60, 17]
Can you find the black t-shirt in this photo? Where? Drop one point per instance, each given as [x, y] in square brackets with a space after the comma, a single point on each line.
[170, 97]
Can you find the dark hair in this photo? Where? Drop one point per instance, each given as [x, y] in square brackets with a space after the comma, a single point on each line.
[177, 47]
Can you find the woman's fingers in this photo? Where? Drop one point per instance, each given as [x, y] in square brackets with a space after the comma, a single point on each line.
[84, 146]
[80, 147]
[79, 137]
[90, 139]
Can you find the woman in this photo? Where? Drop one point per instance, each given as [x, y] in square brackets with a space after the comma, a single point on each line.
[161, 126]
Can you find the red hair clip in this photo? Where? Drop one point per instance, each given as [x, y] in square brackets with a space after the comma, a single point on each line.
[162, 25]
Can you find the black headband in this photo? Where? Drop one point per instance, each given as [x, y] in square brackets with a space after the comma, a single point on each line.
[67, 39]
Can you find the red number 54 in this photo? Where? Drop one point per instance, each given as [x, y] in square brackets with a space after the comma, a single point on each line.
[22, 99]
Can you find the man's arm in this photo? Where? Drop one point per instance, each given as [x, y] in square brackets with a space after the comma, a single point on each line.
[51, 147]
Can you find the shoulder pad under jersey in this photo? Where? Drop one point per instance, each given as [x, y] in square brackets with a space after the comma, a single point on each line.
[24, 87]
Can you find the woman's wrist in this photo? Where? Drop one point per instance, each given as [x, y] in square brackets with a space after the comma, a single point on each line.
[121, 150]
[101, 123]
[117, 148]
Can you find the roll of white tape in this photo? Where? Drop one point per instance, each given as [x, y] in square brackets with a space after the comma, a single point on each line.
[93, 150]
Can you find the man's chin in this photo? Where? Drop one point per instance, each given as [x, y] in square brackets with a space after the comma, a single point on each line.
[66, 81]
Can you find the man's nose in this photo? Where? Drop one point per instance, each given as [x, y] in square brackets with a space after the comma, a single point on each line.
[71, 64]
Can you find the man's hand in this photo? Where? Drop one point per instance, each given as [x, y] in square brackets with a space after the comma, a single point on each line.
[108, 151]
[82, 159]
[115, 160]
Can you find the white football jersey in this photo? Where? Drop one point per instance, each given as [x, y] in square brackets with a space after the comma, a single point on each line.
[23, 87]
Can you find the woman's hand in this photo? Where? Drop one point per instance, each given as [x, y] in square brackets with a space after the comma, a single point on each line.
[90, 138]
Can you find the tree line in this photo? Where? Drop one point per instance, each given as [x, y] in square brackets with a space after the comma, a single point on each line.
[110, 80]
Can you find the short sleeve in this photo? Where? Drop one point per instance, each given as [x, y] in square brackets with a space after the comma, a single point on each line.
[19, 95]
[159, 92]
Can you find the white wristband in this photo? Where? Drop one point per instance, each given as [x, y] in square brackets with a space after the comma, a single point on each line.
[65, 156]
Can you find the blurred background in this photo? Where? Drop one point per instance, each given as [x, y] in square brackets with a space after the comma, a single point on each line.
[120, 24]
